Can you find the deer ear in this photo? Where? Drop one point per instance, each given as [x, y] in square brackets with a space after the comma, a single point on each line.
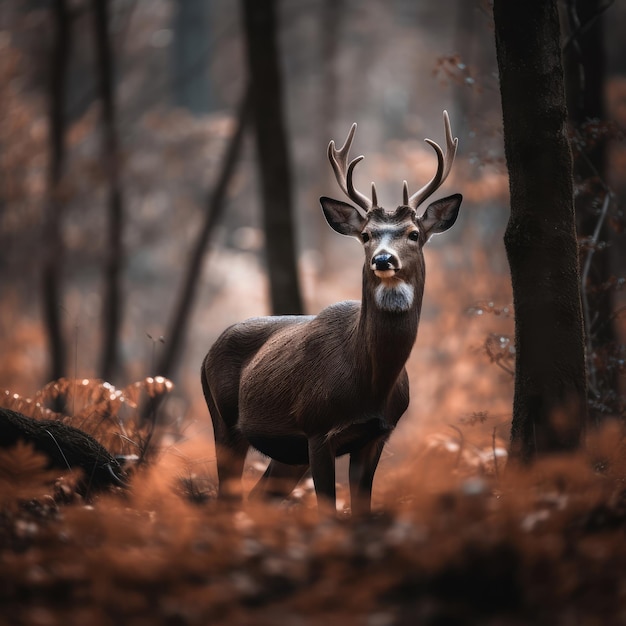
[342, 217]
[441, 214]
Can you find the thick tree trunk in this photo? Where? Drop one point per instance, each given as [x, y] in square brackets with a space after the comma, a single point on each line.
[273, 157]
[52, 241]
[549, 411]
[112, 297]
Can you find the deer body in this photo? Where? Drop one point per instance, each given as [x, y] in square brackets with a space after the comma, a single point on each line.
[306, 389]
[283, 403]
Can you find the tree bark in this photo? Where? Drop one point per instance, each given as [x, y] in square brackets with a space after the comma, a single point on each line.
[112, 298]
[52, 240]
[549, 410]
[272, 153]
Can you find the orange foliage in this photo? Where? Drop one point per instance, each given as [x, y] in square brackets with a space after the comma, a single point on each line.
[112, 416]
[450, 541]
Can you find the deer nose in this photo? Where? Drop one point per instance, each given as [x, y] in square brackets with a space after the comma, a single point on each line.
[384, 261]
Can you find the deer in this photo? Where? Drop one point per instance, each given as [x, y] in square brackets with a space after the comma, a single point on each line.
[306, 389]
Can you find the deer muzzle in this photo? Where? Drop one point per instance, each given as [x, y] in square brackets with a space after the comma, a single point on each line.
[384, 264]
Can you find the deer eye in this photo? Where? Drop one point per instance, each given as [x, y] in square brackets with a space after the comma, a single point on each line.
[414, 235]
[365, 237]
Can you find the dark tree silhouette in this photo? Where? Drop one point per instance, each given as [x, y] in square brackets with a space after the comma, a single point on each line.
[272, 152]
[52, 243]
[112, 297]
[549, 410]
[174, 337]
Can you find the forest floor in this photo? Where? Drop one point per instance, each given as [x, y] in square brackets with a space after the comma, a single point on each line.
[448, 544]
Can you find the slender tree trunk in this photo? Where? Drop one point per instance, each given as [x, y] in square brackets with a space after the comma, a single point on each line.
[549, 410]
[174, 337]
[112, 298]
[52, 242]
[272, 151]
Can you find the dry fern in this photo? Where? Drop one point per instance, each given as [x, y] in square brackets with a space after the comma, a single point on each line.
[112, 416]
[24, 473]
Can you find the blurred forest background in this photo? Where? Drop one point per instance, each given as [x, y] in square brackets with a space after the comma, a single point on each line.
[118, 119]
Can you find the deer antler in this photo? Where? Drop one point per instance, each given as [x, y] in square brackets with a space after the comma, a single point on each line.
[343, 173]
[444, 164]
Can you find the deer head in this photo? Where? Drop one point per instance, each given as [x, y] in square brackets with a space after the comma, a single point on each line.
[393, 240]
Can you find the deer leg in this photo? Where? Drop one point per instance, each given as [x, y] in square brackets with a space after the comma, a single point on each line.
[363, 464]
[278, 481]
[231, 456]
[322, 462]
[230, 448]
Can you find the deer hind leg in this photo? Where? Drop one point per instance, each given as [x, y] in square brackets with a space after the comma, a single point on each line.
[230, 448]
[278, 481]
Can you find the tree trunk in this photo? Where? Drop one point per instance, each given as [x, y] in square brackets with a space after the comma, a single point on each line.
[272, 153]
[52, 243]
[174, 337]
[112, 298]
[549, 410]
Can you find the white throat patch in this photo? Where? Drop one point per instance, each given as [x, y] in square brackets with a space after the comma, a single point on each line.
[394, 297]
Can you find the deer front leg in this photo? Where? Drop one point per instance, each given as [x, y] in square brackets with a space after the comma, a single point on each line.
[363, 464]
[322, 462]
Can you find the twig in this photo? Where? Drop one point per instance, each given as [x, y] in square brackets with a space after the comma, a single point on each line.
[508, 370]
[461, 444]
[56, 443]
[495, 456]
[583, 291]
[580, 29]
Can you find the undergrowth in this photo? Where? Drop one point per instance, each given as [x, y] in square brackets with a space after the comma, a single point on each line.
[456, 539]
[122, 420]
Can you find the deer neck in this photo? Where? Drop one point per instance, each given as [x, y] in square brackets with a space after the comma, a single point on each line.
[387, 327]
